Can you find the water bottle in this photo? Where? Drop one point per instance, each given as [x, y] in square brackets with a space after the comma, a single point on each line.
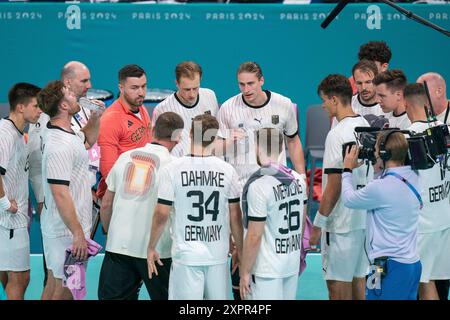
[88, 104]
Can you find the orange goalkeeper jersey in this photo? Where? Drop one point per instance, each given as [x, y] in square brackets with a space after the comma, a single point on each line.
[120, 130]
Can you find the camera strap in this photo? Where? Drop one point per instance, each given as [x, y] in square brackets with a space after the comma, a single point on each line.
[447, 112]
[410, 186]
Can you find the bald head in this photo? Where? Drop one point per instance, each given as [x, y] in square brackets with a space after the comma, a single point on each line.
[437, 87]
[76, 77]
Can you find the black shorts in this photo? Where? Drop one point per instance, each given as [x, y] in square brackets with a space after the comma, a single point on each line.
[121, 278]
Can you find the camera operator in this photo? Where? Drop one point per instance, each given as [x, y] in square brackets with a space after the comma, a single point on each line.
[344, 261]
[434, 220]
[391, 241]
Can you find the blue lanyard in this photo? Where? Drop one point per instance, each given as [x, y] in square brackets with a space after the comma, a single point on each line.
[410, 186]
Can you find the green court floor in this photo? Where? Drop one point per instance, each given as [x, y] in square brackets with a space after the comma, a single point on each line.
[311, 285]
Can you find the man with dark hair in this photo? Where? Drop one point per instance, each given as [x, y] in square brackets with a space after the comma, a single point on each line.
[433, 239]
[189, 101]
[342, 230]
[14, 219]
[127, 212]
[66, 218]
[377, 52]
[389, 88]
[204, 192]
[364, 102]
[126, 124]
[76, 77]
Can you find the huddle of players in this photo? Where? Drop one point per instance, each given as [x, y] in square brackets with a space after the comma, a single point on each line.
[197, 197]
[199, 193]
[208, 190]
[380, 92]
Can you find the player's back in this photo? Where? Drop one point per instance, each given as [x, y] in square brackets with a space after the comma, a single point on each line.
[280, 205]
[200, 189]
[134, 179]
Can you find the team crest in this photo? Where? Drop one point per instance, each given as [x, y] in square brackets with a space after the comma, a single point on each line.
[275, 119]
[208, 112]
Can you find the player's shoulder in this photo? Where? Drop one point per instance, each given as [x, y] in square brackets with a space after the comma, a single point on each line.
[207, 92]
[280, 99]
[222, 163]
[166, 103]
[233, 101]
[6, 130]
[175, 163]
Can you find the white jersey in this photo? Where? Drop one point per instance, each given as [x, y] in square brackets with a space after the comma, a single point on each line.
[14, 173]
[281, 208]
[65, 161]
[206, 103]
[79, 120]
[200, 190]
[277, 112]
[400, 121]
[343, 219]
[363, 109]
[435, 193]
[134, 179]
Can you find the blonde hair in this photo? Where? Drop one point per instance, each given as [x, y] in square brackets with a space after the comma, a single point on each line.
[396, 144]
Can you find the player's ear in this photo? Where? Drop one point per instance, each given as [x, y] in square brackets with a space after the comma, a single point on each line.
[121, 87]
[261, 80]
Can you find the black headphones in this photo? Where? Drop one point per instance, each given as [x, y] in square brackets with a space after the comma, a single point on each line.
[385, 155]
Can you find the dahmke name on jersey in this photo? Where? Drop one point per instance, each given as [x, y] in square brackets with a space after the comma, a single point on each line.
[202, 178]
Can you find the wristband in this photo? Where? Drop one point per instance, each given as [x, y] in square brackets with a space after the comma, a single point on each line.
[320, 220]
[347, 170]
[4, 203]
[303, 175]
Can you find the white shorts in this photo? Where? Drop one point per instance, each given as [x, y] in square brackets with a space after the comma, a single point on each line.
[14, 249]
[273, 288]
[55, 254]
[343, 255]
[434, 252]
[199, 282]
